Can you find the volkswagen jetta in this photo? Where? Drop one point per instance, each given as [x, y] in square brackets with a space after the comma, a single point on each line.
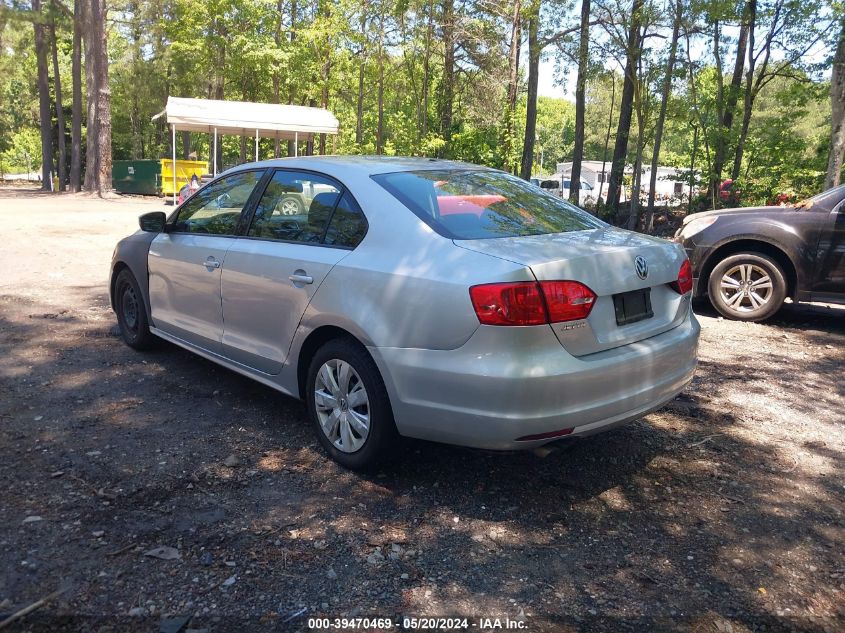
[421, 298]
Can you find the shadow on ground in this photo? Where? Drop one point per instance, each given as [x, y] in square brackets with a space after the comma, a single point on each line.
[686, 520]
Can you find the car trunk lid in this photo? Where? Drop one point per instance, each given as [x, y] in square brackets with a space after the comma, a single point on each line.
[606, 261]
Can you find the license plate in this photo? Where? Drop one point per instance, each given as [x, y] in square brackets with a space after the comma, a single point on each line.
[633, 306]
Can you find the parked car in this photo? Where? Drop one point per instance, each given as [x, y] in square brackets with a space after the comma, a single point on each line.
[421, 298]
[558, 186]
[749, 260]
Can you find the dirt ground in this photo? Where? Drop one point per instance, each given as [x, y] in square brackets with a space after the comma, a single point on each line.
[721, 512]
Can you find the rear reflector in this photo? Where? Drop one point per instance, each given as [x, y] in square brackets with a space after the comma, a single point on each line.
[684, 283]
[544, 436]
[531, 302]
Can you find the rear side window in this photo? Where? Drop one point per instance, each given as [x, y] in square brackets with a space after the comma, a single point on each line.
[348, 225]
[466, 204]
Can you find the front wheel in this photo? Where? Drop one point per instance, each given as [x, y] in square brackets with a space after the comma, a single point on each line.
[131, 312]
[349, 407]
[747, 287]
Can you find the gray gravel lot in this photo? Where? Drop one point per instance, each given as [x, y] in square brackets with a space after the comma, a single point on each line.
[721, 512]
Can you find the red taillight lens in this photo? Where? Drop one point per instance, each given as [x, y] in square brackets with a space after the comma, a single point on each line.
[684, 283]
[531, 303]
[567, 300]
[519, 303]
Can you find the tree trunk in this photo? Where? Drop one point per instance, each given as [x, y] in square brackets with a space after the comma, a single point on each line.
[380, 100]
[186, 145]
[748, 101]
[448, 96]
[98, 153]
[626, 106]
[580, 103]
[509, 162]
[60, 113]
[427, 69]
[603, 175]
[661, 117]
[359, 103]
[531, 106]
[277, 79]
[44, 114]
[837, 103]
[730, 100]
[76, 108]
[292, 149]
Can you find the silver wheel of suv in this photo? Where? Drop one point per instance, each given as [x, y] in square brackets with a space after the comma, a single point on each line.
[342, 405]
[746, 287]
[289, 206]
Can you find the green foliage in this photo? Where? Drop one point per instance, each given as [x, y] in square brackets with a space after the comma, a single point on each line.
[318, 52]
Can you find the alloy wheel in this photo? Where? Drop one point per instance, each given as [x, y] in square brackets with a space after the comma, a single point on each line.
[746, 287]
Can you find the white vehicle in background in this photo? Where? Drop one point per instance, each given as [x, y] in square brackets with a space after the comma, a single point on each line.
[559, 186]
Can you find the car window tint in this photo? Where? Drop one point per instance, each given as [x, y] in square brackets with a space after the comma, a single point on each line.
[465, 204]
[295, 207]
[216, 209]
[348, 225]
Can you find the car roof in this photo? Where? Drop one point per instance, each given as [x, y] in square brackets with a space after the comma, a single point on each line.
[359, 165]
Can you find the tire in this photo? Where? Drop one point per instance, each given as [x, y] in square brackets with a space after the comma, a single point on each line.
[290, 205]
[747, 287]
[131, 312]
[335, 409]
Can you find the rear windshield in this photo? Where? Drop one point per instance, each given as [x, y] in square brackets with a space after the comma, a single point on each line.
[468, 205]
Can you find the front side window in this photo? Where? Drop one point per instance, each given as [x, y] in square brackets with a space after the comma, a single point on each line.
[295, 207]
[216, 209]
[466, 205]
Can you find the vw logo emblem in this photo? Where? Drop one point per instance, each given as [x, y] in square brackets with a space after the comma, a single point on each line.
[641, 266]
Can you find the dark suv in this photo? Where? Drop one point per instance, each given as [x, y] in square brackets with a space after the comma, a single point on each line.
[748, 260]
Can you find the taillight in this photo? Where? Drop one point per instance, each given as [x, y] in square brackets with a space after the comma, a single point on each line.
[531, 303]
[518, 303]
[684, 283]
[567, 300]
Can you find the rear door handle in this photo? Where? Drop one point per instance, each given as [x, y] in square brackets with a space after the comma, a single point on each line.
[211, 262]
[301, 279]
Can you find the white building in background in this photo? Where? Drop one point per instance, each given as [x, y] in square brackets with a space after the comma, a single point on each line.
[672, 183]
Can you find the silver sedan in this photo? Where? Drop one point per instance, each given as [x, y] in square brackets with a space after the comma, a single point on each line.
[411, 297]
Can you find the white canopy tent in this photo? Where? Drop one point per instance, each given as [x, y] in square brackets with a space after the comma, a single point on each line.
[264, 120]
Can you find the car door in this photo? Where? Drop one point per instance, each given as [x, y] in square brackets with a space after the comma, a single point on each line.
[185, 262]
[273, 271]
[830, 279]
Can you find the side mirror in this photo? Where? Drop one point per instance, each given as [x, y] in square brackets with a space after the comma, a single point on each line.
[153, 222]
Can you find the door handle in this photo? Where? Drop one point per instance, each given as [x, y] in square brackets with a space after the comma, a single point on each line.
[301, 279]
[211, 262]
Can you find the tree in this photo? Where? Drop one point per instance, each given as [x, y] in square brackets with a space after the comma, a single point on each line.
[76, 108]
[45, 117]
[580, 104]
[99, 151]
[632, 49]
[837, 103]
[661, 118]
[727, 99]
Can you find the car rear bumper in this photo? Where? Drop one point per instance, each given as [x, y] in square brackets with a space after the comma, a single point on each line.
[487, 395]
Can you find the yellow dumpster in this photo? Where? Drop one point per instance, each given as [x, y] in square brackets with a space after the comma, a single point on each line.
[184, 170]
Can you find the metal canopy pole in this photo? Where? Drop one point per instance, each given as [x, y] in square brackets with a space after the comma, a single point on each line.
[256, 146]
[215, 152]
[295, 143]
[173, 129]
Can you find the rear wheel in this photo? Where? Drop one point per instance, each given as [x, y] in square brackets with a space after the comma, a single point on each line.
[747, 287]
[349, 407]
[290, 206]
[131, 312]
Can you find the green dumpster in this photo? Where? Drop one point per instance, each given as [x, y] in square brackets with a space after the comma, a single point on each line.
[137, 176]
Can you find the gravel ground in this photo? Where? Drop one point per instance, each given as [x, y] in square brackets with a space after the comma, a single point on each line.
[721, 512]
